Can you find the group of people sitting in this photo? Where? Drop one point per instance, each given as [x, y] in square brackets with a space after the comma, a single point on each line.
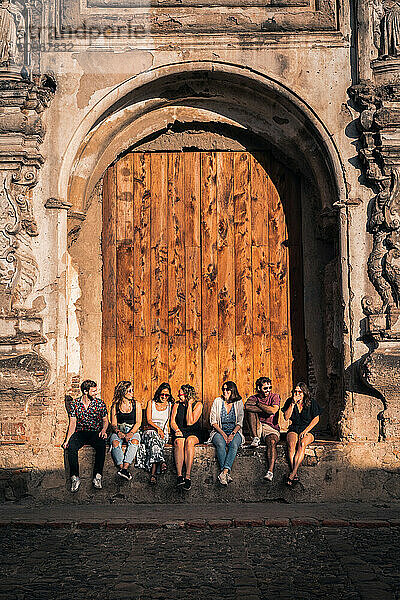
[131, 439]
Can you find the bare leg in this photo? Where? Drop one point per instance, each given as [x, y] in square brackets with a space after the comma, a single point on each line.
[299, 456]
[179, 454]
[291, 440]
[153, 477]
[254, 423]
[271, 441]
[191, 441]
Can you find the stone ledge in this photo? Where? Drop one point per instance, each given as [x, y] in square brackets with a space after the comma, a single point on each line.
[332, 471]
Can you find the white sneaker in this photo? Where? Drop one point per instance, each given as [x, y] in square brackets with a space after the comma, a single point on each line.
[75, 483]
[222, 478]
[97, 481]
[269, 476]
[255, 443]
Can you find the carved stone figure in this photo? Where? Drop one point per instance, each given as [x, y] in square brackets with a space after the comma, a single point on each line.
[389, 26]
[379, 229]
[384, 224]
[377, 16]
[12, 33]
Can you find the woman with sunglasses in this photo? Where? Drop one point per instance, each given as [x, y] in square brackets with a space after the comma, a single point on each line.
[185, 424]
[126, 419]
[151, 451]
[303, 412]
[226, 418]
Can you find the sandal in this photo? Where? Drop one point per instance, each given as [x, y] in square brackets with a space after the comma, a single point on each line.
[289, 482]
[163, 467]
[153, 480]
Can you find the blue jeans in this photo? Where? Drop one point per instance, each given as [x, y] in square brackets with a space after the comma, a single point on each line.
[117, 453]
[226, 453]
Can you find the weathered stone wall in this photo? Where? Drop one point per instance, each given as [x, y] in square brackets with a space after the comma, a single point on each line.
[172, 75]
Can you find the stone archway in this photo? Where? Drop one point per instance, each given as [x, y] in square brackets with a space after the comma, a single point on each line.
[218, 106]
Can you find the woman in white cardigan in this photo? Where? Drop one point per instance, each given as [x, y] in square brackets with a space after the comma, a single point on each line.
[226, 418]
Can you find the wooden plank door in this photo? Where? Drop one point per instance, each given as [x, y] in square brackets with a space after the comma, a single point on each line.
[196, 273]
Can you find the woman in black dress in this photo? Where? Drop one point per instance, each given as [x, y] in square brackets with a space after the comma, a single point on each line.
[185, 426]
[303, 412]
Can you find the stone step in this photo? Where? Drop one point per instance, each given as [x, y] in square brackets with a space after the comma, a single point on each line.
[329, 473]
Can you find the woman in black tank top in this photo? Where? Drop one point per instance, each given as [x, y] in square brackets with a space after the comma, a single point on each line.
[126, 419]
[185, 425]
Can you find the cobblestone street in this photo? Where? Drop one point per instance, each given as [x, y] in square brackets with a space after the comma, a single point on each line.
[224, 564]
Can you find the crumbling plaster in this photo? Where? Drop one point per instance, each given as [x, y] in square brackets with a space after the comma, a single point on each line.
[317, 79]
[305, 75]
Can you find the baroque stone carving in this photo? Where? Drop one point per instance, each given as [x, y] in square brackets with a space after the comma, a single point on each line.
[18, 268]
[382, 169]
[379, 151]
[21, 133]
[22, 369]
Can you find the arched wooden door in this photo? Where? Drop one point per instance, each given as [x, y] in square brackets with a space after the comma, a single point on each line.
[196, 273]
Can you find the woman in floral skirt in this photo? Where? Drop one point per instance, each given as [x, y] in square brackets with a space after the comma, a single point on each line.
[150, 455]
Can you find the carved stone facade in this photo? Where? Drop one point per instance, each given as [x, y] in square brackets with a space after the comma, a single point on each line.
[379, 151]
[22, 101]
[314, 84]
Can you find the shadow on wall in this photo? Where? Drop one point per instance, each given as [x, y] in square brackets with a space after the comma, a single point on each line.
[372, 403]
[355, 383]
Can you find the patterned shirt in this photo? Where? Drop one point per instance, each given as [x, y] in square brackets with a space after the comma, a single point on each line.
[90, 419]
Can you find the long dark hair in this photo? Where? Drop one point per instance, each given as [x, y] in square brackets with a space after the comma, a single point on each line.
[306, 393]
[120, 391]
[157, 395]
[189, 391]
[232, 387]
